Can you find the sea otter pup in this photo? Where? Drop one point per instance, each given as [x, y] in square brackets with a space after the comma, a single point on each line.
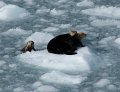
[66, 43]
[29, 47]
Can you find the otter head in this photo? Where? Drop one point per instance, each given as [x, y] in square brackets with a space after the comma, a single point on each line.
[30, 44]
[29, 47]
[80, 35]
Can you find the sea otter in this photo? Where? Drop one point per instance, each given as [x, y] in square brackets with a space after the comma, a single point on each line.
[29, 47]
[66, 43]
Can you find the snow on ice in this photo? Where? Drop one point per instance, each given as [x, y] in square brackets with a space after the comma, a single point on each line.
[12, 12]
[85, 60]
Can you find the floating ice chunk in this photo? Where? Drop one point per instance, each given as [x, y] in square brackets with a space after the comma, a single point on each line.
[65, 26]
[62, 1]
[112, 87]
[117, 41]
[61, 78]
[42, 10]
[40, 38]
[12, 12]
[16, 32]
[50, 29]
[47, 88]
[102, 83]
[29, 2]
[85, 3]
[106, 22]
[85, 60]
[55, 12]
[111, 12]
[2, 4]
[2, 62]
[107, 40]
[37, 84]
[18, 89]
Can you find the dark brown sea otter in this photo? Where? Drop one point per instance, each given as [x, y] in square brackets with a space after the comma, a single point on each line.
[29, 47]
[66, 43]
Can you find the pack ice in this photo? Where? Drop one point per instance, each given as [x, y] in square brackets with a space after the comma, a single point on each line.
[84, 61]
[12, 12]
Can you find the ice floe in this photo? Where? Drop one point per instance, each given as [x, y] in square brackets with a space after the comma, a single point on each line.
[42, 10]
[105, 22]
[85, 3]
[40, 38]
[16, 32]
[2, 4]
[85, 60]
[12, 12]
[102, 83]
[47, 88]
[56, 77]
[55, 12]
[51, 29]
[2, 62]
[103, 11]
[37, 84]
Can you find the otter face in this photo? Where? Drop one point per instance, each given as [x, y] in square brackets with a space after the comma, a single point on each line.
[30, 44]
[81, 35]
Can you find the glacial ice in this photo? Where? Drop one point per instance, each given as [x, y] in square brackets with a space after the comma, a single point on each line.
[85, 3]
[102, 83]
[57, 77]
[103, 11]
[85, 60]
[40, 38]
[16, 32]
[2, 4]
[47, 88]
[12, 12]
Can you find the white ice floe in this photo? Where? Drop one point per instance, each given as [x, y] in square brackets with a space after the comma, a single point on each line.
[62, 1]
[85, 3]
[107, 40]
[102, 83]
[42, 10]
[47, 88]
[103, 11]
[12, 12]
[2, 4]
[19, 89]
[40, 38]
[2, 62]
[117, 41]
[112, 87]
[65, 26]
[85, 60]
[16, 32]
[105, 22]
[29, 2]
[37, 84]
[55, 12]
[51, 29]
[61, 78]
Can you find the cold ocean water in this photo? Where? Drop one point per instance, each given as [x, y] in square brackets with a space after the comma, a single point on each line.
[96, 67]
